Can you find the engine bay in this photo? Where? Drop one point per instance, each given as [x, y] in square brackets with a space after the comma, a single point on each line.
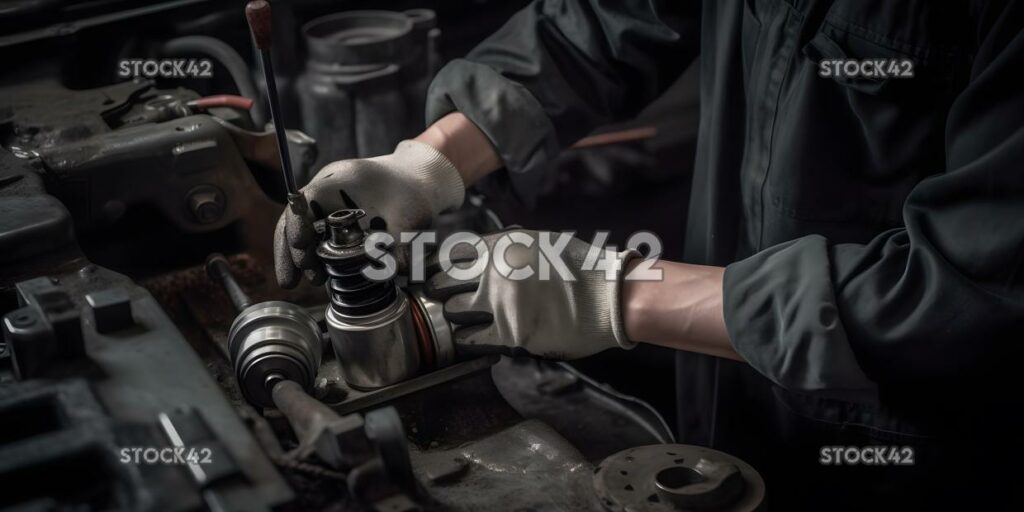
[151, 362]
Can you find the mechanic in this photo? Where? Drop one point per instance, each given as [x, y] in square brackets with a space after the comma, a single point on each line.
[855, 244]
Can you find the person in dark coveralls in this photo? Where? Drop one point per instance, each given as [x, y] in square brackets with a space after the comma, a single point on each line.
[854, 268]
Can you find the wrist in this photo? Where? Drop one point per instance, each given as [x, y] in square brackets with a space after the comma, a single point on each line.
[616, 300]
[683, 310]
[431, 173]
[464, 145]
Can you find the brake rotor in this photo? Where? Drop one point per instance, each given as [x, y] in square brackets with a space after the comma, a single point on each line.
[677, 477]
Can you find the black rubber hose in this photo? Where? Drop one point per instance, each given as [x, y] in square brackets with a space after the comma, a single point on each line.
[230, 59]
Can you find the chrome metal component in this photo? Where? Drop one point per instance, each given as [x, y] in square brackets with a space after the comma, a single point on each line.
[273, 341]
[375, 350]
[440, 330]
[370, 322]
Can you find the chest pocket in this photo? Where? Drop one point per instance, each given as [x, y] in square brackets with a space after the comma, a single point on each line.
[848, 148]
[910, 50]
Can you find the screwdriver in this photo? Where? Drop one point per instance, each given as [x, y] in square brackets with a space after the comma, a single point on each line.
[257, 13]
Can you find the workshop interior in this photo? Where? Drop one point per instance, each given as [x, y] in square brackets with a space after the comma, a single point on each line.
[150, 361]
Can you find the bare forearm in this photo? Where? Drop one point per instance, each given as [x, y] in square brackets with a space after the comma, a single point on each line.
[469, 150]
[681, 311]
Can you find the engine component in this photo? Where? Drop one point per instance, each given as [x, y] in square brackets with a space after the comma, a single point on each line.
[273, 339]
[369, 322]
[337, 440]
[268, 342]
[89, 146]
[275, 350]
[366, 79]
[92, 372]
[372, 448]
[671, 477]
[46, 330]
[435, 334]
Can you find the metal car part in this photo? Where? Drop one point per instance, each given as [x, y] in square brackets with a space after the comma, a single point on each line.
[269, 341]
[677, 477]
[433, 327]
[203, 172]
[577, 407]
[369, 322]
[273, 338]
[372, 448]
[108, 335]
[375, 350]
[275, 349]
[365, 81]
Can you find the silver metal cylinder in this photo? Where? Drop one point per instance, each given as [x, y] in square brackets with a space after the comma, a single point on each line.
[273, 339]
[375, 350]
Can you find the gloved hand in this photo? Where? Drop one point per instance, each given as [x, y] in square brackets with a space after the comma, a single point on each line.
[559, 317]
[402, 191]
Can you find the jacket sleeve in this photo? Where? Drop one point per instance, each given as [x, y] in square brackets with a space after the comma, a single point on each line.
[560, 68]
[935, 306]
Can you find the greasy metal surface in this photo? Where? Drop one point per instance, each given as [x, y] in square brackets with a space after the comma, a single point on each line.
[596, 419]
[356, 400]
[202, 171]
[337, 440]
[677, 477]
[525, 467]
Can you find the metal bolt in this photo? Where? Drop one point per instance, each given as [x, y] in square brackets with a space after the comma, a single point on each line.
[206, 203]
[344, 227]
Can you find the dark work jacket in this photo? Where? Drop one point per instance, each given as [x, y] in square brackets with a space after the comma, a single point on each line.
[872, 229]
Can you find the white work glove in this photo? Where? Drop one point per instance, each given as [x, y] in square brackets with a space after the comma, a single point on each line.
[557, 318]
[402, 191]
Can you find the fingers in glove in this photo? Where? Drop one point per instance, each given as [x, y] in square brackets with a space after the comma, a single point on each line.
[460, 309]
[477, 340]
[303, 245]
[286, 271]
[301, 237]
[459, 254]
[441, 285]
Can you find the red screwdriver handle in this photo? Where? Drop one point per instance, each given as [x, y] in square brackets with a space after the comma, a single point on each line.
[257, 12]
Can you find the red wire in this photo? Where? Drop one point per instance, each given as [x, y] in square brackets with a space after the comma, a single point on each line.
[222, 100]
